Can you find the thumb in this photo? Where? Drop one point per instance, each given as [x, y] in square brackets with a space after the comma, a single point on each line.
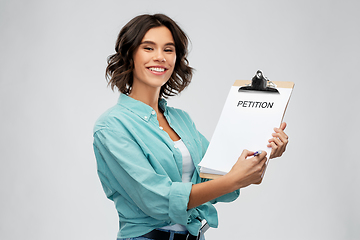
[283, 126]
[246, 153]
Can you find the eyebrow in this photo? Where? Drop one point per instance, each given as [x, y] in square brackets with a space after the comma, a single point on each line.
[151, 42]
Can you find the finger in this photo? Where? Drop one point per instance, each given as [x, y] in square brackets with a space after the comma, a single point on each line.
[283, 126]
[263, 160]
[261, 154]
[272, 140]
[277, 148]
[282, 136]
[274, 150]
[277, 141]
[261, 157]
[246, 153]
[280, 132]
[262, 170]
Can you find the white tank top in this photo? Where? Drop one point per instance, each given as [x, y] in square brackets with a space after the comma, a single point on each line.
[188, 169]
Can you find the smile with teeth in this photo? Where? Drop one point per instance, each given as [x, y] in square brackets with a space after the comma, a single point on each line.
[157, 69]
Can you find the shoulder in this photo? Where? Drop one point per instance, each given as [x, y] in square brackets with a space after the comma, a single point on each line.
[179, 113]
[112, 119]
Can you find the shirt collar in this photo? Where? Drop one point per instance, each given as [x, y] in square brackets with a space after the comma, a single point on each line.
[141, 109]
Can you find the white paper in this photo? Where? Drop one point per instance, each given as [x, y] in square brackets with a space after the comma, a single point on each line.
[244, 126]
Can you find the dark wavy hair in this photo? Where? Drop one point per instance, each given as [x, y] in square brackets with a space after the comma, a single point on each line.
[119, 71]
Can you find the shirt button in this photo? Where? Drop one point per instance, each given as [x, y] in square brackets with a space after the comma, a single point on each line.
[161, 128]
[175, 146]
[153, 112]
[145, 117]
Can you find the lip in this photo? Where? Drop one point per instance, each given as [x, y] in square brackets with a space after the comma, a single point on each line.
[156, 72]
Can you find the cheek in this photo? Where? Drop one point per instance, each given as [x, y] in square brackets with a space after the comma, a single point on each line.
[135, 68]
[136, 63]
[172, 61]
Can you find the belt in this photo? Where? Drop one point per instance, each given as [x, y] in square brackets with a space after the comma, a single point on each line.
[161, 235]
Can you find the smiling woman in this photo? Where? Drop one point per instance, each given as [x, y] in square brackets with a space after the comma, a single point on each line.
[148, 153]
[121, 65]
[154, 62]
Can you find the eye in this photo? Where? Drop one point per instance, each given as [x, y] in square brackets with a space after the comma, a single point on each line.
[148, 48]
[170, 50]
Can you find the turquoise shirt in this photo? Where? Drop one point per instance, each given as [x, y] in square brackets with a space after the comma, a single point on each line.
[140, 168]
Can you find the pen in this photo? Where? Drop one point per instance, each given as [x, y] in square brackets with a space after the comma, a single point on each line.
[257, 153]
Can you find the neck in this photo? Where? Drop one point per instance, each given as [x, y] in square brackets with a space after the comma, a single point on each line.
[150, 98]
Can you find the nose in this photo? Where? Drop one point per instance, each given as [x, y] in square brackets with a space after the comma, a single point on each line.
[159, 56]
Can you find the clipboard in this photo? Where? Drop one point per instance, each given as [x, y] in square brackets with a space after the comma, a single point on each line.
[246, 122]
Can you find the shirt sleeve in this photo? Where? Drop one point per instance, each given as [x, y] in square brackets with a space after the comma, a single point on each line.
[123, 167]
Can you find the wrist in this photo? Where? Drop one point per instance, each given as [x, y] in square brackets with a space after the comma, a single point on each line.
[230, 184]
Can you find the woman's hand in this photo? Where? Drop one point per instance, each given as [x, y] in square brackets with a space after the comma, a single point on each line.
[248, 170]
[279, 141]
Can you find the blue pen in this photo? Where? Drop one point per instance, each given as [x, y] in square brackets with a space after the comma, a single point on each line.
[257, 153]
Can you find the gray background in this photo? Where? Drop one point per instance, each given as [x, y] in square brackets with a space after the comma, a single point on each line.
[52, 89]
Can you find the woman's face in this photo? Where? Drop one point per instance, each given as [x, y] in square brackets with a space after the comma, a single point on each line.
[154, 59]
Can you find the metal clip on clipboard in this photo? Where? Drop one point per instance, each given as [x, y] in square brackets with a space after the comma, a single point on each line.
[260, 83]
